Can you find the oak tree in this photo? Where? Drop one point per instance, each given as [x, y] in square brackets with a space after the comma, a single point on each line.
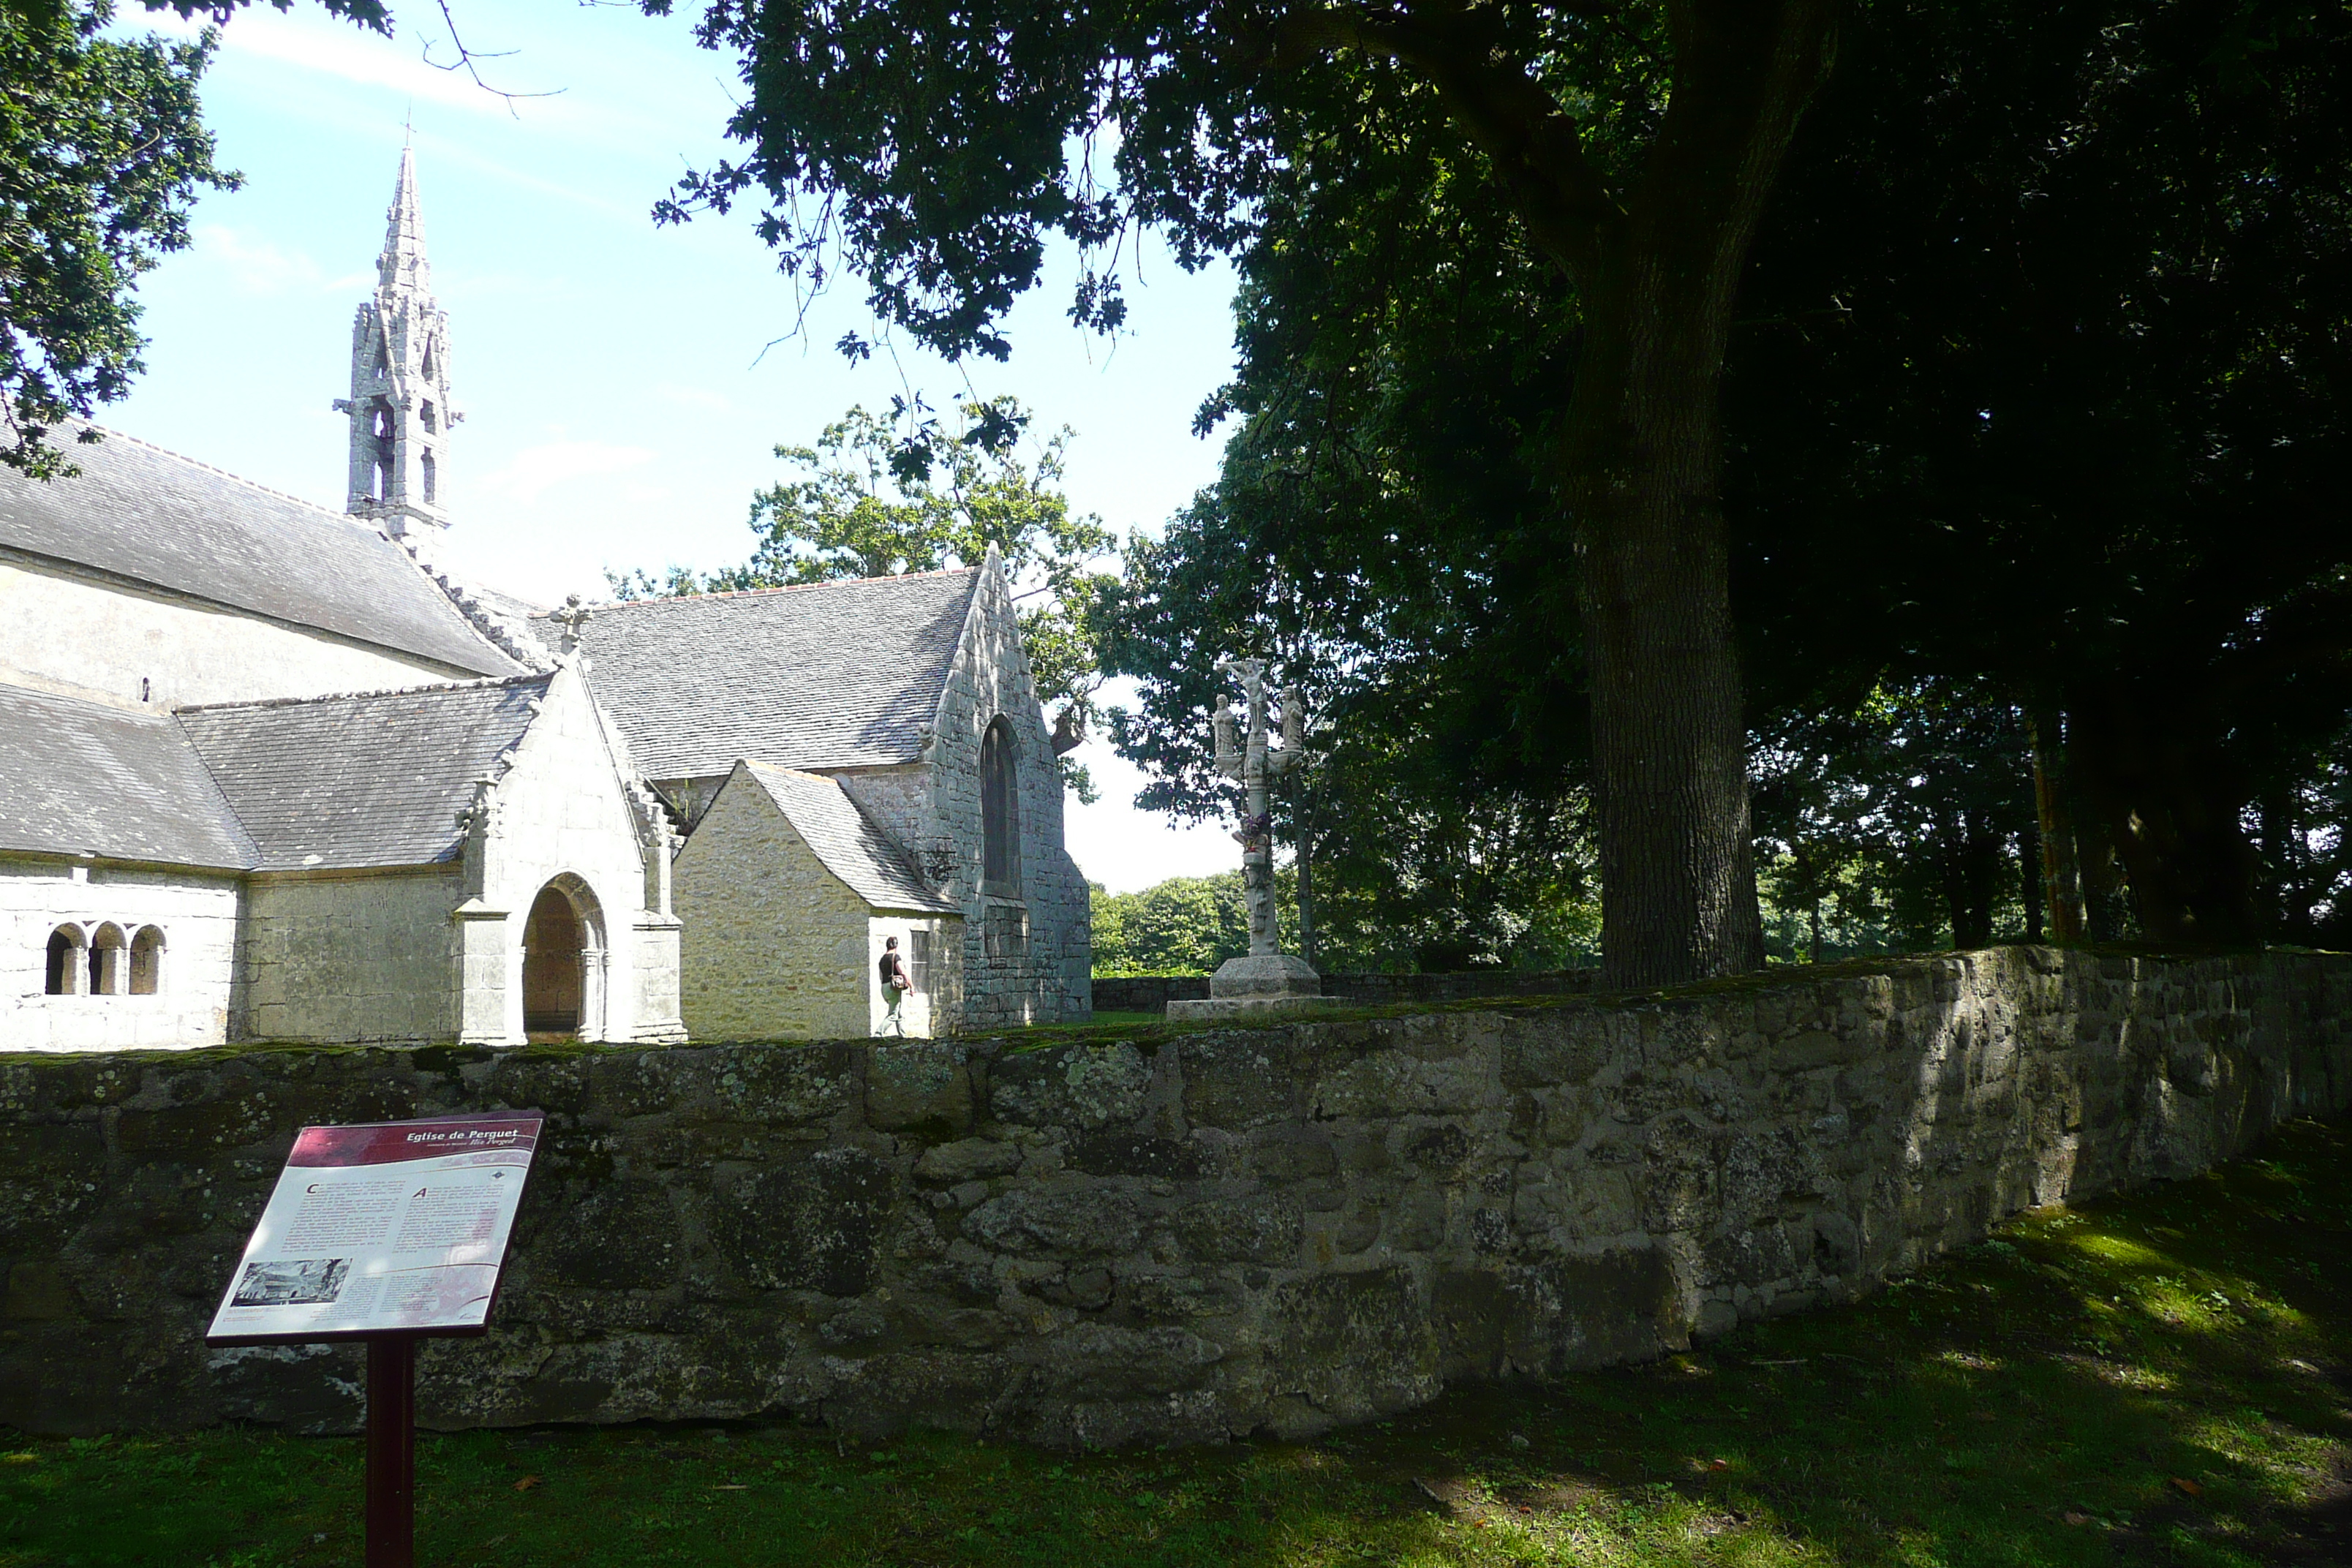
[933, 148]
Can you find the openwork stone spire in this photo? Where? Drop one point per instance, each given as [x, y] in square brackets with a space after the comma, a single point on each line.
[399, 406]
[403, 263]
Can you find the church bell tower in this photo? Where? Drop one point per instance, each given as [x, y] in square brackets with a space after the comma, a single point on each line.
[399, 406]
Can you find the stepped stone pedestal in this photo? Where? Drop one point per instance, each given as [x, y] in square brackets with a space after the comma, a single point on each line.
[1259, 985]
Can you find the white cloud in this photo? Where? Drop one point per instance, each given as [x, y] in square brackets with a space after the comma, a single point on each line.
[353, 54]
[533, 471]
[260, 268]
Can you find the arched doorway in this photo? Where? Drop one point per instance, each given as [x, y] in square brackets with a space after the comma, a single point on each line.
[563, 962]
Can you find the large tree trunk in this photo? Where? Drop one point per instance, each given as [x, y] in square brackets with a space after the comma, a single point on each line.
[1642, 479]
[1669, 731]
[2170, 798]
[2062, 875]
[2286, 898]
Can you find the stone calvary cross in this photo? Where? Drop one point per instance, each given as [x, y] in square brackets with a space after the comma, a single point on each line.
[1267, 980]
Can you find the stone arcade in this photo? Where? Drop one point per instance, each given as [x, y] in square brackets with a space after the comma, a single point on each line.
[270, 773]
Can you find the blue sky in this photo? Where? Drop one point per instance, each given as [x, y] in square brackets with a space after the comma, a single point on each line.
[623, 386]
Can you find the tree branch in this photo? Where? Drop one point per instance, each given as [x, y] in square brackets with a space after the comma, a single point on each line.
[1536, 147]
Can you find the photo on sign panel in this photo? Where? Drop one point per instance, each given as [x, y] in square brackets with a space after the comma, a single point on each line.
[298, 1283]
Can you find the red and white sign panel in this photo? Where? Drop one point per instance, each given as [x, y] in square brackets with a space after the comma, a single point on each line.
[397, 1227]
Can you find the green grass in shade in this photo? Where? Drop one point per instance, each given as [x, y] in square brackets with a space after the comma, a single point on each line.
[2161, 1379]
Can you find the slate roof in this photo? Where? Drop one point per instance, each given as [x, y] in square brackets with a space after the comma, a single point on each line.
[519, 611]
[851, 847]
[370, 779]
[141, 512]
[834, 675]
[83, 777]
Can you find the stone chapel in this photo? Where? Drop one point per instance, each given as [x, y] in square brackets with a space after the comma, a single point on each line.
[270, 773]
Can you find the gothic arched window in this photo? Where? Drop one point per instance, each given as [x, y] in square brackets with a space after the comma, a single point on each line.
[425, 417]
[1000, 812]
[426, 463]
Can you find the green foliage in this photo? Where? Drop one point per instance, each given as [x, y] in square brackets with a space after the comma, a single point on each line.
[2043, 389]
[1619, 153]
[1906, 822]
[101, 156]
[2040, 1399]
[1986, 453]
[882, 496]
[1186, 925]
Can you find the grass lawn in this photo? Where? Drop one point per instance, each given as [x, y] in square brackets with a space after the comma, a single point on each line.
[2162, 1379]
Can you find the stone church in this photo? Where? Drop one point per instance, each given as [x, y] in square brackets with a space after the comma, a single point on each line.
[269, 772]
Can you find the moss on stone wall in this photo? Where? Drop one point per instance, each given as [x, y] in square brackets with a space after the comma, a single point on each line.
[1153, 1235]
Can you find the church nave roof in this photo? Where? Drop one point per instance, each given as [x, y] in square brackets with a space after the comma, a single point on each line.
[371, 779]
[137, 511]
[831, 675]
[78, 777]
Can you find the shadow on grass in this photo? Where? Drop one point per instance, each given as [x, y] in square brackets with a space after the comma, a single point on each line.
[2162, 1379]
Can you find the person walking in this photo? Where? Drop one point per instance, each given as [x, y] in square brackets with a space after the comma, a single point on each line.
[895, 986]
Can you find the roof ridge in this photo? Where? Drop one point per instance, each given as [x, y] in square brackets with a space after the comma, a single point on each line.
[883, 853]
[525, 678]
[111, 433]
[599, 606]
[97, 703]
[492, 626]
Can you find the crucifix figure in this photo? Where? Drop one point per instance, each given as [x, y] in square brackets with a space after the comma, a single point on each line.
[1266, 979]
[1255, 763]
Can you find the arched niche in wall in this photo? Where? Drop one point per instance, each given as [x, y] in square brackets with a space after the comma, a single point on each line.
[147, 961]
[1000, 812]
[68, 973]
[108, 948]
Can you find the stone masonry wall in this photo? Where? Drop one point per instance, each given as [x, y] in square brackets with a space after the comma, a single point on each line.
[348, 957]
[195, 911]
[1049, 981]
[772, 943]
[1181, 1238]
[74, 634]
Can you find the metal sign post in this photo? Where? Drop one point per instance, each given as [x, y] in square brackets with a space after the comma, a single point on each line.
[391, 1451]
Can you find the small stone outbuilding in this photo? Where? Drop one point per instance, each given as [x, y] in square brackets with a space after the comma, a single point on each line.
[912, 697]
[789, 896]
[458, 860]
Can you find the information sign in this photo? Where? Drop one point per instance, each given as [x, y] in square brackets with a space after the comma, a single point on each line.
[398, 1228]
